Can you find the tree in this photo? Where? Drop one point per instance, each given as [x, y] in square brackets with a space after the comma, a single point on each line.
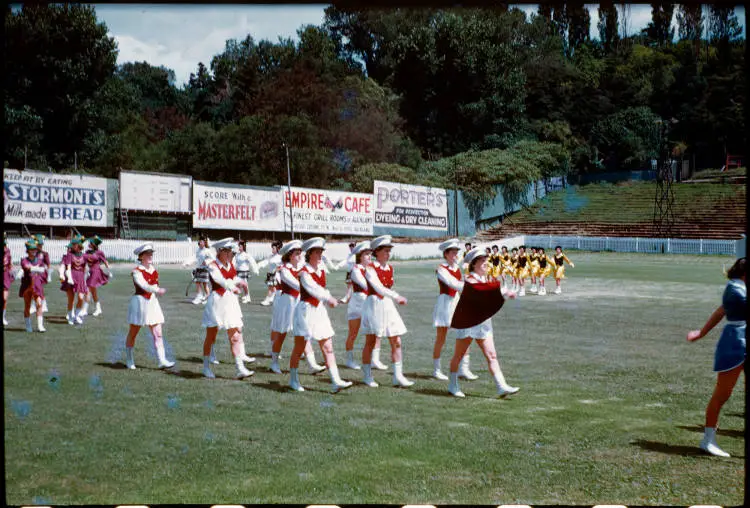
[579, 26]
[690, 25]
[660, 30]
[608, 26]
[57, 57]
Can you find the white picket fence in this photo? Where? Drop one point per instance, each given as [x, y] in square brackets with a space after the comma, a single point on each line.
[644, 245]
[166, 252]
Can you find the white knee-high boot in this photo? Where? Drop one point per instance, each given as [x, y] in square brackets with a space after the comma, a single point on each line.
[463, 370]
[398, 376]
[453, 386]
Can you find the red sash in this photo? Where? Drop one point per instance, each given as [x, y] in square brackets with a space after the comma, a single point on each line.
[286, 288]
[151, 279]
[321, 281]
[356, 287]
[386, 279]
[227, 273]
[444, 289]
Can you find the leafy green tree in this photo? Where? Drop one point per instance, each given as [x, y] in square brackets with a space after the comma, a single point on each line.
[57, 57]
[608, 27]
[660, 30]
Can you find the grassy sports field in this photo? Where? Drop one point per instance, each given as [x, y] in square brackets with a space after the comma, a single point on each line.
[610, 410]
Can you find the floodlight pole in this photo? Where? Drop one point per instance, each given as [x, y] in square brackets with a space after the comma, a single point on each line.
[289, 189]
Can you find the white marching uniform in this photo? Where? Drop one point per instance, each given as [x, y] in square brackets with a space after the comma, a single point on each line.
[202, 258]
[481, 331]
[282, 320]
[245, 264]
[451, 283]
[144, 308]
[359, 293]
[311, 319]
[223, 307]
[271, 263]
[379, 314]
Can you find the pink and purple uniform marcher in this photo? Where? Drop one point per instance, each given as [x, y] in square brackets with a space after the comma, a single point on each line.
[7, 265]
[33, 279]
[96, 277]
[78, 271]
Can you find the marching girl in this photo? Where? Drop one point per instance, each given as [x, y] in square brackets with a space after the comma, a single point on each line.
[286, 300]
[66, 283]
[559, 259]
[545, 269]
[245, 263]
[95, 258]
[203, 257]
[481, 333]
[379, 316]
[144, 308]
[729, 359]
[361, 253]
[223, 309]
[32, 285]
[7, 275]
[514, 268]
[272, 263]
[534, 268]
[507, 269]
[311, 321]
[349, 263]
[467, 249]
[522, 271]
[450, 283]
[44, 255]
[75, 274]
[495, 261]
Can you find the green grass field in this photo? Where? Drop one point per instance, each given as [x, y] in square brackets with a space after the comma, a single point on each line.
[611, 405]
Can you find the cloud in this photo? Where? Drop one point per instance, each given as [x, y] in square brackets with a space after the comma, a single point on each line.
[180, 36]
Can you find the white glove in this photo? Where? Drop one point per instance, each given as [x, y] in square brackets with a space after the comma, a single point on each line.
[111, 275]
[18, 273]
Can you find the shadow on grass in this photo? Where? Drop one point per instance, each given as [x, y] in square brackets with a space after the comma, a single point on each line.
[721, 432]
[739, 415]
[186, 374]
[13, 329]
[58, 320]
[417, 375]
[655, 446]
[192, 359]
[436, 393]
[113, 366]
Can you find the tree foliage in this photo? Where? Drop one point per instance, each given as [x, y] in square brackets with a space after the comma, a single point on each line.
[460, 97]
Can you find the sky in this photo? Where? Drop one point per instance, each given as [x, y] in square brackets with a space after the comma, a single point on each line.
[180, 36]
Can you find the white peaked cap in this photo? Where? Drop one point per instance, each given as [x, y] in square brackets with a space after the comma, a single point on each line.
[148, 246]
[314, 243]
[453, 243]
[381, 241]
[474, 253]
[290, 246]
[224, 243]
[361, 247]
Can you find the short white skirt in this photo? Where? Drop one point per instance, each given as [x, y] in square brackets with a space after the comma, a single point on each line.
[282, 319]
[444, 309]
[312, 322]
[223, 311]
[144, 312]
[481, 331]
[380, 318]
[355, 306]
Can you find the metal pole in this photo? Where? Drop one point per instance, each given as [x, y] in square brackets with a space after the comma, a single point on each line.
[289, 188]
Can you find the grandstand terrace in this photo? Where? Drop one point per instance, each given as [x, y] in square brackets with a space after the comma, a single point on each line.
[701, 210]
